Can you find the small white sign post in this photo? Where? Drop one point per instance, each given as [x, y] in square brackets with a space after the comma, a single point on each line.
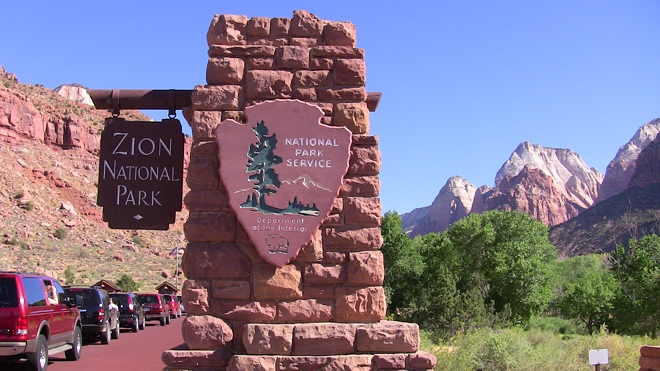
[598, 357]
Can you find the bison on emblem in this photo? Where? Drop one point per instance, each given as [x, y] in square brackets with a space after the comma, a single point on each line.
[276, 244]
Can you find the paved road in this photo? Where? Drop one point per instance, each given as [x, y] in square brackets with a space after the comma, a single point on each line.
[132, 351]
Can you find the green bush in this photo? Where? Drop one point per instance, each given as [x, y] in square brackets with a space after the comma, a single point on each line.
[60, 233]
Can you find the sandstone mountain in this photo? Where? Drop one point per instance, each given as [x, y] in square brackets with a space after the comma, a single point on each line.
[631, 213]
[49, 220]
[551, 184]
[621, 168]
[556, 187]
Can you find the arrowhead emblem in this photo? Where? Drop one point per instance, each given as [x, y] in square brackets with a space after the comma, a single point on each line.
[282, 170]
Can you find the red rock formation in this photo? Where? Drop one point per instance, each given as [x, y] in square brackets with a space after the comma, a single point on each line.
[647, 166]
[533, 192]
[621, 169]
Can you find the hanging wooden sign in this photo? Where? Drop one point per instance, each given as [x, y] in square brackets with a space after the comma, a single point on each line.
[140, 173]
[282, 171]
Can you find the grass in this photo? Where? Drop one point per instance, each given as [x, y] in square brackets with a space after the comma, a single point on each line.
[534, 349]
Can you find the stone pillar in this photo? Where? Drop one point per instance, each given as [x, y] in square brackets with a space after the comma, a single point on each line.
[326, 308]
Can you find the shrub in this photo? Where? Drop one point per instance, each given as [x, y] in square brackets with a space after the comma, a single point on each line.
[18, 195]
[60, 233]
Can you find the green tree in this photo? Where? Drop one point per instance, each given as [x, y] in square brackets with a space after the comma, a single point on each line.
[637, 268]
[260, 167]
[127, 284]
[589, 291]
[511, 252]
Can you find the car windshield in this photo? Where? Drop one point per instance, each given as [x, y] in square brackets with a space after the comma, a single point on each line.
[84, 298]
[119, 299]
[8, 296]
[149, 299]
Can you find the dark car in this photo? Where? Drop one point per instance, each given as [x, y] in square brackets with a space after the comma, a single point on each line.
[155, 308]
[98, 319]
[131, 314]
[37, 319]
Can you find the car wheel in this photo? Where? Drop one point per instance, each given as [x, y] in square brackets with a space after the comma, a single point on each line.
[136, 326]
[105, 336]
[162, 321]
[115, 331]
[143, 324]
[38, 361]
[73, 354]
[168, 319]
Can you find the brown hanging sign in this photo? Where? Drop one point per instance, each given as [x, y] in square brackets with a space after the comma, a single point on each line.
[282, 171]
[140, 173]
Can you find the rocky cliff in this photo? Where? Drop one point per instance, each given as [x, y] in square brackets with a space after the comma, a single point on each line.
[621, 169]
[49, 220]
[551, 184]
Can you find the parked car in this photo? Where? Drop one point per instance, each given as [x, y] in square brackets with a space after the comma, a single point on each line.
[175, 306]
[98, 319]
[155, 308]
[180, 300]
[131, 314]
[37, 319]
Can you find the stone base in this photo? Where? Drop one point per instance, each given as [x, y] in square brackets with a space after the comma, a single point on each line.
[383, 345]
[207, 360]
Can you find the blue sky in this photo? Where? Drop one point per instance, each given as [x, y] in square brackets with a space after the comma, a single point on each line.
[463, 82]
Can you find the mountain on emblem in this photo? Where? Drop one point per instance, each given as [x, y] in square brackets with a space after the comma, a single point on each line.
[282, 170]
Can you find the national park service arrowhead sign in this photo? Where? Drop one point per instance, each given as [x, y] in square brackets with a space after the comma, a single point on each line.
[282, 171]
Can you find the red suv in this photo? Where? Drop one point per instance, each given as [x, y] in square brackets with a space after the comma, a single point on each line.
[155, 308]
[175, 306]
[36, 319]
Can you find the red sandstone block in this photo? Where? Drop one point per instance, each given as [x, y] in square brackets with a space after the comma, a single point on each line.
[421, 360]
[227, 30]
[360, 304]
[330, 94]
[204, 148]
[365, 186]
[387, 337]
[362, 211]
[241, 51]
[350, 72]
[203, 173]
[312, 78]
[305, 24]
[196, 297]
[339, 34]
[260, 63]
[210, 227]
[366, 268]
[323, 339]
[650, 363]
[279, 27]
[207, 200]
[292, 57]
[305, 94]
[266, 84]
[217, 97]
[258, 26]
[188, 359]
[320, 274]
[244, 310]
[268, 339]
[306, 42]
[390, 361]
[306, 310]
[650, 351]
[252, 363]
[230, 289]
[365, 160]
[319, 292]
[352, 238]
[215, 260]
[337, 52]
[320, 64]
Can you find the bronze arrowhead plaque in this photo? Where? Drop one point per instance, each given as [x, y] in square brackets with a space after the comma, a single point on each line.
[282, 170]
